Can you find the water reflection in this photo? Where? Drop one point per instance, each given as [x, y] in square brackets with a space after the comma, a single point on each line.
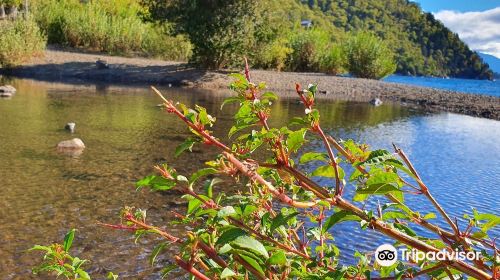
[45, 193]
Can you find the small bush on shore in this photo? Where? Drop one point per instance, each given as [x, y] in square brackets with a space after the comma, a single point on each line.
[115, 29]
[368, 56]
[308, 47]
[21, 39]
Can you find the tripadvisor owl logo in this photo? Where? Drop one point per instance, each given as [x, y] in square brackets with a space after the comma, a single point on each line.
[386, 255]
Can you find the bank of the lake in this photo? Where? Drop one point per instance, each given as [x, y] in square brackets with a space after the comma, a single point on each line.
[80, 68]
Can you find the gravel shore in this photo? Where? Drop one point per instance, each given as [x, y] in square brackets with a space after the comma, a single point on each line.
[75, 67]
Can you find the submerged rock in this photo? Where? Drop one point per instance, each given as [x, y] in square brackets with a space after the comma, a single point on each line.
[6, 94]
[70, 127]
[101, 64]
[73, 144]
[376, 102]
[7, 89]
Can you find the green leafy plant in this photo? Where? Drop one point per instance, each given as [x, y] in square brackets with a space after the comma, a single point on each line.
[58, 261]
[276, 223]
[21, 40]
[368, 56]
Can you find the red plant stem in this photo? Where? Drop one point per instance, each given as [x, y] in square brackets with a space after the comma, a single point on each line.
[202, 132]
[333, 160]
[321, 236]
[210, 251]
[143, 225]
[425, 190]
[255, 177]
[189, 268]
[249, 267]
[317, 128]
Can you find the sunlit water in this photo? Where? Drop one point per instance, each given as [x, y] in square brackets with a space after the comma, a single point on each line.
[461, 85]
[44, 193]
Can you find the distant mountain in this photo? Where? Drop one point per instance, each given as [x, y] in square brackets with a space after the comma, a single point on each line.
[493, 61]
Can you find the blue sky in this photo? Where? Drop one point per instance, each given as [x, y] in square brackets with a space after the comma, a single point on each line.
[458, 5]
[477, 22]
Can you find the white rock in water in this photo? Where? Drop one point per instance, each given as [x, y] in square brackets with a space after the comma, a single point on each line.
[75, 143]
[7, 89]
[70, 126]
[376, 102]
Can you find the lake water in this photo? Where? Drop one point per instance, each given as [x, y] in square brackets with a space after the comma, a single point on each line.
[461, 85]
[45, 193]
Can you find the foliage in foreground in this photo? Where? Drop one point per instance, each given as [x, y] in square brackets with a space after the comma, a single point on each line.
[276, 222]
[20, 40]
[58, 260]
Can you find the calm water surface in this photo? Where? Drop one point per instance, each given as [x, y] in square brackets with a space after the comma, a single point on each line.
[45, 193]
[461, 85]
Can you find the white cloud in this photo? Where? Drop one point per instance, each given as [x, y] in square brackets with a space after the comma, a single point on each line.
[480, 30]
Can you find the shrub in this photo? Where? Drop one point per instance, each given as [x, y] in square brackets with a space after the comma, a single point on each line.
[21, 39]
[276, 223]
[220, 31]
[113, 28]
[308, 46]
[273, 55]
[333, 60]
[368, 56]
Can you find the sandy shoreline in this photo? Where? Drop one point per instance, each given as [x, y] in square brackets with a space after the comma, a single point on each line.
[80, 68]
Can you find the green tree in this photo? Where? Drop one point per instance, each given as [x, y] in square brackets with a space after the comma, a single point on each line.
[368, 56]
[220, 30]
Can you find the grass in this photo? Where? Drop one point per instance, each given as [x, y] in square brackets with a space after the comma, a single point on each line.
[21, 39]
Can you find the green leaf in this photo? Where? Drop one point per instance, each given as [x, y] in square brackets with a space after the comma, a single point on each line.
[269, 95]
[327, 171]
[226, 273]
[246, 242]
[229, 100]
[429, 216]
[378, 189]
[157, 251]
[111, 276]
[200, 173]
[68, 240]
[278, 258]
[186, 145]
[226, 212]
[193, 205]
[254, 264]
[40, 248]
[313, 156]
[296, 139]
[281, 220]
[230, 235]
[83, 274]
[338, 217]
[156, 183]
[380, 182]
[405, 229]
[377, 156]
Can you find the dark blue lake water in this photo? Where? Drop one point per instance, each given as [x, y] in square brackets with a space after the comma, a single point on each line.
[462, 85]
